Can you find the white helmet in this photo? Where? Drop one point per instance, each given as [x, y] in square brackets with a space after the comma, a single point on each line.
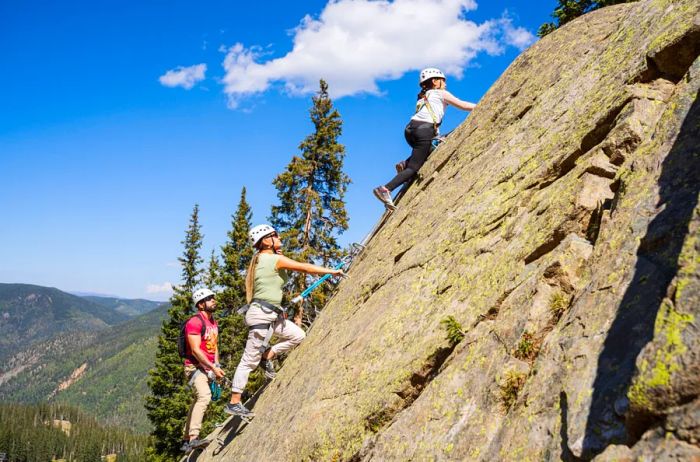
[201, 294]
[258, 232]
[430, 73]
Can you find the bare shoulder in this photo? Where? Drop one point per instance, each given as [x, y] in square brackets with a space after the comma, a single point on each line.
[287, 263]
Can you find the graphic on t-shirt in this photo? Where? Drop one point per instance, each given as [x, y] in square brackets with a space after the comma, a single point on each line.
[211, 335]
[208, 342]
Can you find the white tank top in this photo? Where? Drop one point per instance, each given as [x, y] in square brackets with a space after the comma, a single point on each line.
[437, 104]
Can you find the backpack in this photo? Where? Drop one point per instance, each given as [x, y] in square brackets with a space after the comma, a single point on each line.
[182, 338]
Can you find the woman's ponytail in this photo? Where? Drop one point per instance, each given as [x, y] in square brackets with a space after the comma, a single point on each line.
[250, 277]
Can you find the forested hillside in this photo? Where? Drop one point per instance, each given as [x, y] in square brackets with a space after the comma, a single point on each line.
[128, 307]
[49, 432]
[103, 372]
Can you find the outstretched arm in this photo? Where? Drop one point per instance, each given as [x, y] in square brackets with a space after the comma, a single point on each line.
[452, 100]
[293, 265]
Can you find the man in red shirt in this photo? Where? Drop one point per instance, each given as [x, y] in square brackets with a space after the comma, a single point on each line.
[201, 363]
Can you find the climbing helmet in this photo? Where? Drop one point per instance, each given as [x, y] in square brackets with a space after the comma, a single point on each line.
[258, 232]
[430, 73]
[201, 294]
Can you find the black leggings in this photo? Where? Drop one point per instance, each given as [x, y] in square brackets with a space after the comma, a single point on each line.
[419, 136]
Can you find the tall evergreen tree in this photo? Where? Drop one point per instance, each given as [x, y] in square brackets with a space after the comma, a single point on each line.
[211, 276]
[235, 254]
[311, 190]
[568, 10]
[168, 403]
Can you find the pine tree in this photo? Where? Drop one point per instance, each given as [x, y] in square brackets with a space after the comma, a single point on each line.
[168, 403]
[211, 276]
[569, 10]
[311, 191]
[236, 254]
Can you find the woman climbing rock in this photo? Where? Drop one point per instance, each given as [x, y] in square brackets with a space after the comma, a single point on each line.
[267, 274]
[422, 128]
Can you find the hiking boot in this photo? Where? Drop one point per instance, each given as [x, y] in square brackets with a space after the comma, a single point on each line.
[191, 445]
[238, 409]
[268, 369]
[401, 166]
[197, 443]
[383, 194]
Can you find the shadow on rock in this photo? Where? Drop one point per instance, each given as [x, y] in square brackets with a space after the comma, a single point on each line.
[657, 264]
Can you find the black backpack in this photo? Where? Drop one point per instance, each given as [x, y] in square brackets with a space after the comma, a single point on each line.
[182, 338]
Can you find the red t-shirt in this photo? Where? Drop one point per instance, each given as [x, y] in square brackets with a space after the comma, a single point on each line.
[209, 340]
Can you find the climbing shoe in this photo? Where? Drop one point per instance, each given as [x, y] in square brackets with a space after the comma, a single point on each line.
[191, 445]
[238, 409]
[384, 195]
[268, 369]
[401, 166]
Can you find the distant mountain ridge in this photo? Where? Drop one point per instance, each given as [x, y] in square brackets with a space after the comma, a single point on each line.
[31, 313]
[128, 307]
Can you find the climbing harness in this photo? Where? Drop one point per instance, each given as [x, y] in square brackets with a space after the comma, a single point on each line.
[210, 376]
[282, 315]
[423, 102]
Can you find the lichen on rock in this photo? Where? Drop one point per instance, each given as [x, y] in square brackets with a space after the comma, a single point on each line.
[564, 210]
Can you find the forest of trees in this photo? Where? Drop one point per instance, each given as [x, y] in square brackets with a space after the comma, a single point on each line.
[309, 217]
[45, 432]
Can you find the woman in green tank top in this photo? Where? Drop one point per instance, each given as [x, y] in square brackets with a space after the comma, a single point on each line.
[267, 274]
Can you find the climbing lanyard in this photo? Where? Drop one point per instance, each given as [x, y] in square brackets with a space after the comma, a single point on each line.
[215, 390]
[344, 263]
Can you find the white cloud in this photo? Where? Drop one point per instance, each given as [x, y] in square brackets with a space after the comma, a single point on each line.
[185, 77]
[165, 287]
[354, 44]
[518, 37]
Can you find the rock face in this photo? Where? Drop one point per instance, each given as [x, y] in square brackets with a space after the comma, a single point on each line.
[559, 225]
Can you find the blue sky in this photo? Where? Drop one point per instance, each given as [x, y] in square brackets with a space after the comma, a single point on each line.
[103, 153]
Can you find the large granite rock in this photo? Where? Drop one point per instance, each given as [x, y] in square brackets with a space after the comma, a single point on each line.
[559, 225]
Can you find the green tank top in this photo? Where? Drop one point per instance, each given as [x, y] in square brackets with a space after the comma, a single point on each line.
[268, 280]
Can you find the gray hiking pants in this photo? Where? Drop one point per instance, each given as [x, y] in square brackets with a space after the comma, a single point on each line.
[290, 333]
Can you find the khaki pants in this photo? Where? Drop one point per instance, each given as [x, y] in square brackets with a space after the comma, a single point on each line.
[202, 397]
[290, 333]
